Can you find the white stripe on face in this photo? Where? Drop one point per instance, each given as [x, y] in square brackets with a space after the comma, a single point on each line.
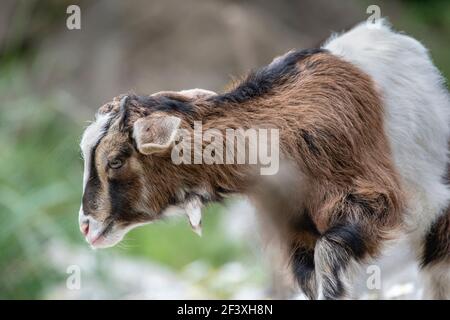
[91, 136]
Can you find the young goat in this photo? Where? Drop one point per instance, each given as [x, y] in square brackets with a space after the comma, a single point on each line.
[363, 130]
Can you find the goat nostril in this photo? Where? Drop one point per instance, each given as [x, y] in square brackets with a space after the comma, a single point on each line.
[85, 228]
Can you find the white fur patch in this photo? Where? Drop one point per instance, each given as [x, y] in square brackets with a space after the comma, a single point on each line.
[417, 111]
[437, 281]
[193, 209]
[90, 138]
[417, 114]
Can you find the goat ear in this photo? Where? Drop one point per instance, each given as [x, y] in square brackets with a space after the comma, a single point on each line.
[155, 133]
[187, 95]
[197, 93]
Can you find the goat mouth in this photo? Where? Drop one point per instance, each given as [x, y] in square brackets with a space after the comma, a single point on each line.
[103, 233]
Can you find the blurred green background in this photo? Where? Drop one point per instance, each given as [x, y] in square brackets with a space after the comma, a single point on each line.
[52, 80]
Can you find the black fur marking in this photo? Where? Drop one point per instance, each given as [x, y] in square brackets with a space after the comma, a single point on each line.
[305, 224]
[303, 256]
[173, 201]
[309, 140]
[167, 104]
[222, 190]
[437, 242]
[262, 81]
[92, 188]
[303, 268]
[349, 238]
[118, 198]
[161, 103]
[343, 243]
[121, 208]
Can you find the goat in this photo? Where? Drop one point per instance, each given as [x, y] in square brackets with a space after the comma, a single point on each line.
[364, 126]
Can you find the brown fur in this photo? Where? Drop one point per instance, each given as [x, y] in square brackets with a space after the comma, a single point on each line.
[331, 127]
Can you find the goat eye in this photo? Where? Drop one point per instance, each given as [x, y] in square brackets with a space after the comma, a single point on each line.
[115, 164]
